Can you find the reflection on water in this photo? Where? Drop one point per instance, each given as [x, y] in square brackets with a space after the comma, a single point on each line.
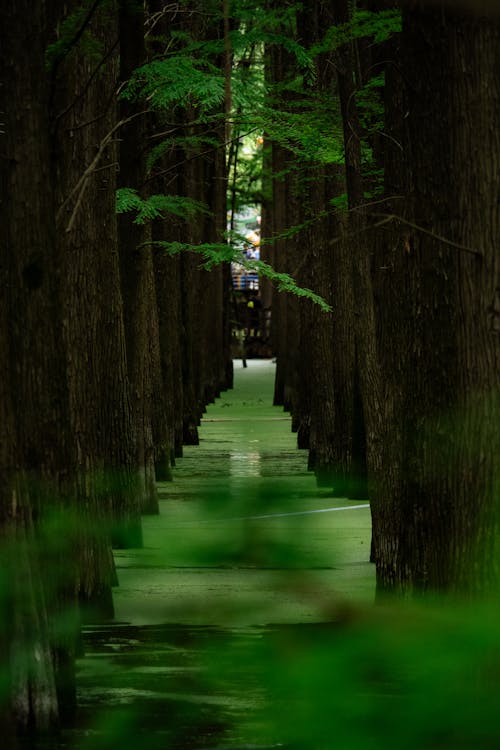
[163, 685]
[245, 463]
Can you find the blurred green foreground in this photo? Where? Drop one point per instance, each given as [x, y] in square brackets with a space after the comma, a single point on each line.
[247, 621]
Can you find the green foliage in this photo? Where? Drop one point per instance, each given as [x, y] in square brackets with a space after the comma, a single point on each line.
[414, 679]
[312, 132]
[285, 283]
[270, 26]
[340, 202]
[179, 79]
[294, 114]
[73, 31]
[248, 87]
[379, 25]
[246, 182]
[185, 142]
[215, 253]
[156, 206]
[370, 104]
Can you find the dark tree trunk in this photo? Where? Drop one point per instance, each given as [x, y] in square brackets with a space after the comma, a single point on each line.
[365, 363]
[332, 343]
[206, 347]
[192, 305]
[442, 535]
[166, 178]
[279, 66]
[327, 268]
[83, 113]
[36, 467]
[136, 260]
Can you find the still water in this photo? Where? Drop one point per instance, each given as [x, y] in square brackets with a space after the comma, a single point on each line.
[238, 578]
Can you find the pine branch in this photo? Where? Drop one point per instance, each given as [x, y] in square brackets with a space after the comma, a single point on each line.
[216, 253]
[155, 206]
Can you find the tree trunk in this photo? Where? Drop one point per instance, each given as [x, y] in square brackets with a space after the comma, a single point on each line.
[83, 115]
[36, 467]
[443, 534]
[279, 66]
[364, 380]
[136, 260]
[327, 269]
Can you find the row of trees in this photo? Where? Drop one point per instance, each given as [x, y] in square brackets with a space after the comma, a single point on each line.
[399, 385]
[109, 347]
[379, 192]
[378, 187]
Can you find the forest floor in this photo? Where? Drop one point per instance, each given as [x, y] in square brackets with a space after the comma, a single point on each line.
[246, 551]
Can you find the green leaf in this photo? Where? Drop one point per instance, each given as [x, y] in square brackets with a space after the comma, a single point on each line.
[178, 79]
[71, 34]
[156, 206]
[215, 253]
[379, 25]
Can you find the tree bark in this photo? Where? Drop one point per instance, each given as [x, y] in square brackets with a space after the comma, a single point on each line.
[443, 536]
[363, 409]
[136, 261]
[36, 466]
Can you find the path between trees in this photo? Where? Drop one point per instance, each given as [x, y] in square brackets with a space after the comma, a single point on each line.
[238, 568]
[239, 540]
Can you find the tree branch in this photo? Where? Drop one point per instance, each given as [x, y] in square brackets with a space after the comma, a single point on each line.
[387, 218]
[81, 185]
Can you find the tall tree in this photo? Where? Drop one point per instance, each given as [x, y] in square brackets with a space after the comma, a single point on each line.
[441, 531]
[37, 468]
[326, 268]
[363, 366]
[281, 69]
[205, 346]
[84, 127]
[165, 177]
[136, 260]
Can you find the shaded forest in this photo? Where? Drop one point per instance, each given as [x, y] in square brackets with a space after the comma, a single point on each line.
[375, 160]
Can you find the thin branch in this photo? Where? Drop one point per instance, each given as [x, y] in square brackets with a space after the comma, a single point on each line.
[81, 185]
[175, 167]
[88, 82]
[387, 218]
[391, 138]
[76, 38]
[107, 166]
[437, 237]
[155, 18]
[153, 136]
[322, 214]
[362, 230]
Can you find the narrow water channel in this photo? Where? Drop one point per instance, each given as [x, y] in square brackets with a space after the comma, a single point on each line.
[246, 557]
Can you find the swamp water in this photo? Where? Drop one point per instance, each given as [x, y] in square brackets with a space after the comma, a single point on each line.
[236, 595]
